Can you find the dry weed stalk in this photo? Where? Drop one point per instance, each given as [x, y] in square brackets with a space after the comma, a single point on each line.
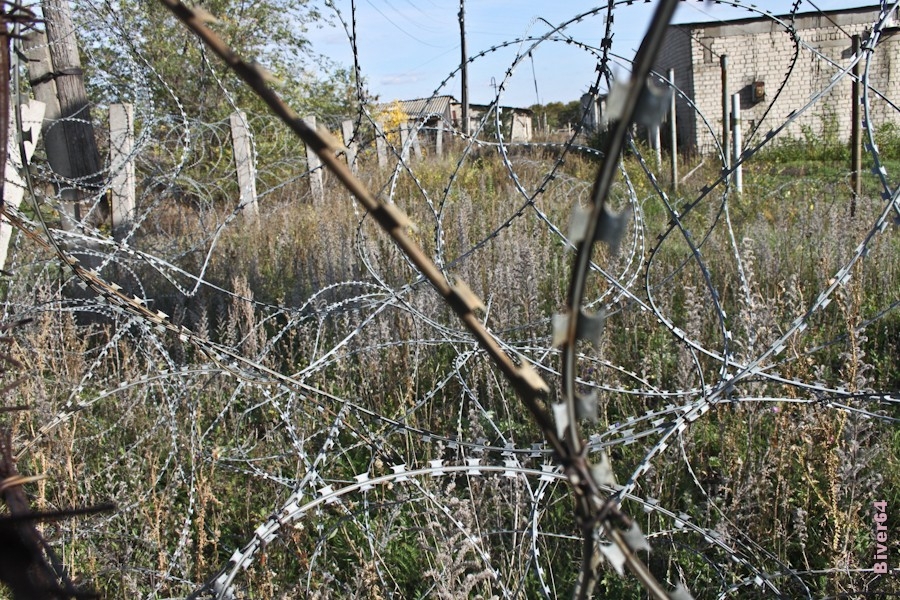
[28, 565]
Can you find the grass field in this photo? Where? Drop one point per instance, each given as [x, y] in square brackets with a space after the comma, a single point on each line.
[769, 492]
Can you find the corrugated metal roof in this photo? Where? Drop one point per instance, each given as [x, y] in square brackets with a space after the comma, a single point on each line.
[427, 106]
[441, 105]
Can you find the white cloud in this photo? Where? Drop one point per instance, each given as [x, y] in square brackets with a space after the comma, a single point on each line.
[402, 78]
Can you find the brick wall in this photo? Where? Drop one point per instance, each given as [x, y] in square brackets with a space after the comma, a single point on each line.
[676, 54]
[762, 50]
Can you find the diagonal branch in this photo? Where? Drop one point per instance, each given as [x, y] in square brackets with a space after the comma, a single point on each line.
[529, 386]
[591, 510]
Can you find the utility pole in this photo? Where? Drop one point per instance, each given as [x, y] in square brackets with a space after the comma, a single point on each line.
[43, 84]
[726, 116]
[673, 132]
[82, 162]
[464, 67]
[855, 134]
[736, 143]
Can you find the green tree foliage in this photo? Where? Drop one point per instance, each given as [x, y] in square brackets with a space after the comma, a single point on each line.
[136, 47]
[558, 114]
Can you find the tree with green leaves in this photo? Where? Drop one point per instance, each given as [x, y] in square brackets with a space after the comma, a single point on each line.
[558, 114]
[137, 51]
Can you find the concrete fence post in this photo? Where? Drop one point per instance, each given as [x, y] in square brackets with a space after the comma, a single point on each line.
[404, 142]
[350, 145]
[439, 139]
[673, 131]
[121, 167]
[417, 148]
[316, 183]
[380, 145]
[14, 187]
[655, 144]
[243, 164]
[737, 142]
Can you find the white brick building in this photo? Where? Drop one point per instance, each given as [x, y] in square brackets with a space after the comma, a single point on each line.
[517, 122]
[759, 56]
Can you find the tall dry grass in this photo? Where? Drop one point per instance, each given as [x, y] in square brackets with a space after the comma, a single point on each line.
[196, 459]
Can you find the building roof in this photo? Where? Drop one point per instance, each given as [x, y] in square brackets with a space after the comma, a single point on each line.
[440, 105]
[422, 107]
[804, 20]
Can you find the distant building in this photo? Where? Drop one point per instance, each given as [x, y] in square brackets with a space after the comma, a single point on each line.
[430, 111]
[593, 107]
[759, 53]
[517, 122]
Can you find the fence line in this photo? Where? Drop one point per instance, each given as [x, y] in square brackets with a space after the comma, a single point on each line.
[32, 115]
[278, 363]
[122, 159]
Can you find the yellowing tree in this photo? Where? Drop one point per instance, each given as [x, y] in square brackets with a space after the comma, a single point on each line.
[391, 118]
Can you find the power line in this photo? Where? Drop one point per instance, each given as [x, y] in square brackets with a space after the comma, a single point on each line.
[463, 68]
[537, 96]
[824, 14]
[408, 18]
[400, 29]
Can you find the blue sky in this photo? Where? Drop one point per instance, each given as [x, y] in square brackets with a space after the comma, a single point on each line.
[409, 47]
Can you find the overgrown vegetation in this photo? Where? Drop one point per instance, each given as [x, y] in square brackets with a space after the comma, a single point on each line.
[558, 115]
[132, 40]
[196, 460]
[297, 414]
